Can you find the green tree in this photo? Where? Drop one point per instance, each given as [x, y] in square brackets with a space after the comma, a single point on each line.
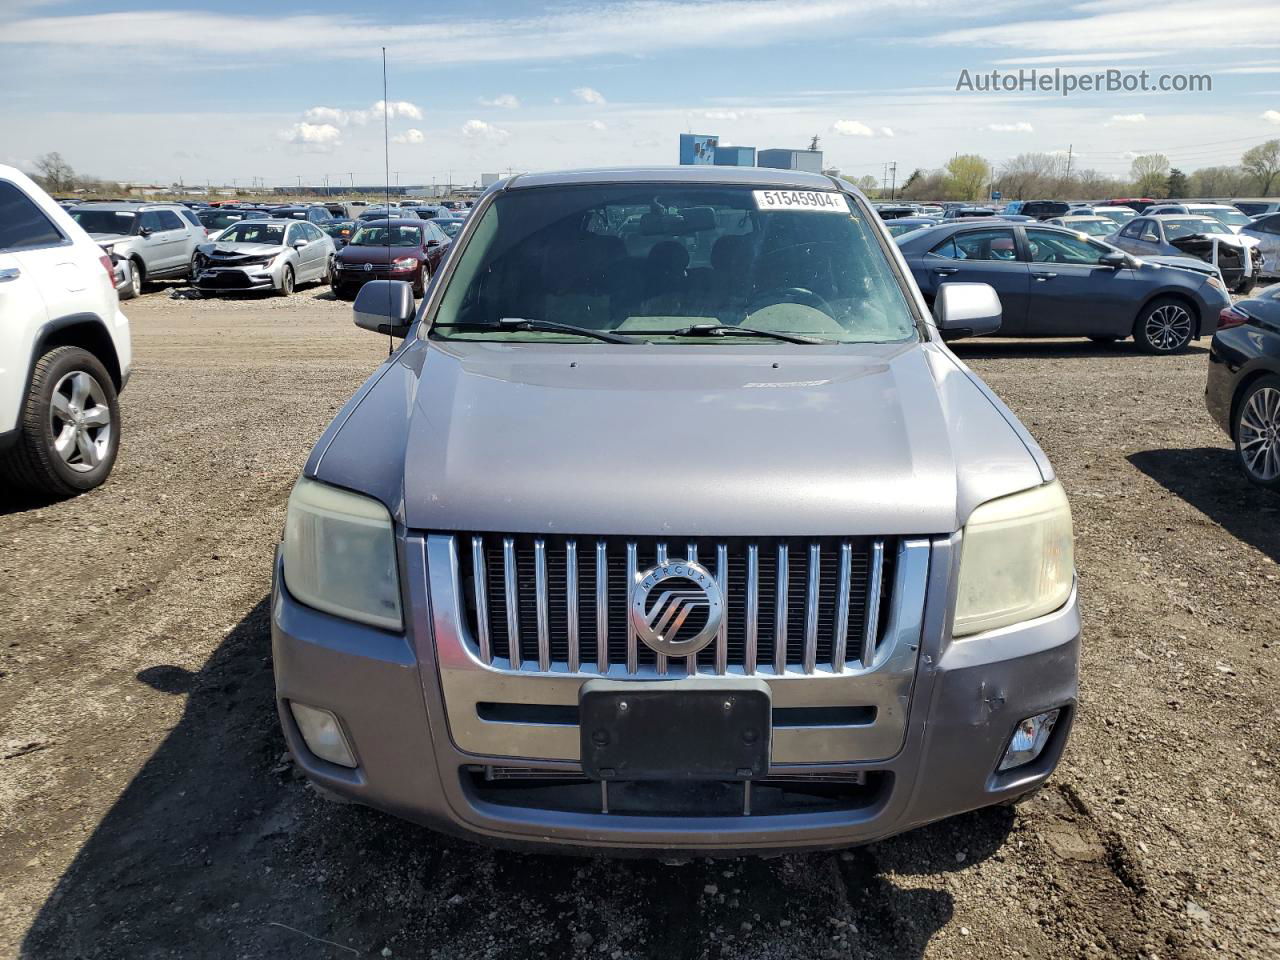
[967, 177]
[1263, 162]
[1175, 184]
[1149, 172]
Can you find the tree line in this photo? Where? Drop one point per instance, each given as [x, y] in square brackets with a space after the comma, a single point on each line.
[1048, 176]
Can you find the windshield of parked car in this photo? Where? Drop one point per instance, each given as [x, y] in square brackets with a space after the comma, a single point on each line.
[383, 235]
[337, 227]
[217, 219]
[1120, 215]
[451, 228]
[105, 221]
[1232, 218]
[253, 231]
[1190, 226]
[1095, 228]
[650, 259]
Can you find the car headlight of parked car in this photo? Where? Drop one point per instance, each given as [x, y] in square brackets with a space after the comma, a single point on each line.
[1016, 560]
[340, 554]
[404, 263]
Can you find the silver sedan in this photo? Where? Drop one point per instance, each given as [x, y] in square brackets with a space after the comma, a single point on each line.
[264, 255]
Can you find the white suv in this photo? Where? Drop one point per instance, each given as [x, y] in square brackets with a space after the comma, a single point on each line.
[64, 347]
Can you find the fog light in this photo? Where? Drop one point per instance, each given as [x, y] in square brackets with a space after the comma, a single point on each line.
[323, 734]
[1029, 739]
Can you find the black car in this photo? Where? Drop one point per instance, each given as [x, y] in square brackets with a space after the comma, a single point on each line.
[1057, 283]
[1243, 390]
[312, 214]
[340, 231]
[1043, 209]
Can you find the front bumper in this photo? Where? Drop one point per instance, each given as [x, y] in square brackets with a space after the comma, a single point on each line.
[967, 696]
[264, 277]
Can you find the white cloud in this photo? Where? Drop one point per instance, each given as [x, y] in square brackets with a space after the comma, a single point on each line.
[1020, 127]
[852, 128]
[1126, 118]
[598, 125]
[479, 130]
[722, 114]
[411, 135]
[588, 95]
[886, 131]
[313, 137]
[1182, 25]
[506, 101]
[1271, 116]
[343, 118]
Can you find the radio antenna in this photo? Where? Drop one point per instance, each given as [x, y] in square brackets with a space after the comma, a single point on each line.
[386, 158]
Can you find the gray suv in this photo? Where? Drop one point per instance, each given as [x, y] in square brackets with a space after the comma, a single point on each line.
[157, 240]
[673, 525]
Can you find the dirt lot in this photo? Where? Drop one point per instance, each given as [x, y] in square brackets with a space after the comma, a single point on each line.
[146, 810]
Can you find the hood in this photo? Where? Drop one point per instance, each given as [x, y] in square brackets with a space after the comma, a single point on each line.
[696, 440]
[370, 254]
[1193, 264]
[240, 250]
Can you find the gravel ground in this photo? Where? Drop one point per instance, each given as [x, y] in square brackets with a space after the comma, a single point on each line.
[146, 809]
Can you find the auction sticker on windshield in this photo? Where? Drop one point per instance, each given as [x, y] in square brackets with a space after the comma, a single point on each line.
[818, 201]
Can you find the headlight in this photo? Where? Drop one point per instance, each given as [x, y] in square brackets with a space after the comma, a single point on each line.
[1217, 282]
[340, 554]
[404, 263]
[1016, 560]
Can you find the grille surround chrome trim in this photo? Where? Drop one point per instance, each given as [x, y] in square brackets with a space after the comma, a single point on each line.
[885, 684]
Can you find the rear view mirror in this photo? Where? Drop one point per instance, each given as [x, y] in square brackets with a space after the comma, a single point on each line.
[966, 310]
[385, 306]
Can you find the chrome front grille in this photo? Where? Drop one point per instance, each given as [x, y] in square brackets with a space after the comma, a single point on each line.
[560, 603]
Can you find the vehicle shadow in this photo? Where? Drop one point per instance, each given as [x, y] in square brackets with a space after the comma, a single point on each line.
[217, 848]
[1209, 479]
[994, 349]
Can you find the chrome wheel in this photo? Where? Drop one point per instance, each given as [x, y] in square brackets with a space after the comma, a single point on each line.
[1258, 434]
[80, 421]
[1168, 327]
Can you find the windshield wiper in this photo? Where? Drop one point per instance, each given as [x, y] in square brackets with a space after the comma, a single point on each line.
[550, 326]
[721, 330]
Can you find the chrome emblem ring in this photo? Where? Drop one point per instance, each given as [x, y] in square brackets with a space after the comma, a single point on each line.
[676, 607]
[368, 267]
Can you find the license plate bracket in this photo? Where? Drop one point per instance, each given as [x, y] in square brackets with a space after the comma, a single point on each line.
[675, 730]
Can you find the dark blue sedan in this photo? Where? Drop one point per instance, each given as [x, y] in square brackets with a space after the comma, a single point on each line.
[1055, 282]
[1243, 392]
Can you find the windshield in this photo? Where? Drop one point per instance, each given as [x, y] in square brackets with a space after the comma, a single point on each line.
[336, 228]
[254, 231]
[105, 221]
[216, 220]
[1232, 218]
[383, 236]
[1119, 214]
[655, 258]
[450, 227]
[1095, 228]
[1190, 226]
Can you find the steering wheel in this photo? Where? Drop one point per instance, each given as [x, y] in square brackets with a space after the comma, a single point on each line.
[800, 295]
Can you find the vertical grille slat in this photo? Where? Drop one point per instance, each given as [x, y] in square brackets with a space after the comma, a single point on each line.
[871, 630]
[789, 603]
[571, 604]
[782, 587]
[480, 586]
[512, 588]
[543, 604]
[811, 601]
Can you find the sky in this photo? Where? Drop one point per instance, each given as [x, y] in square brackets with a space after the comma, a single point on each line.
[162, 91]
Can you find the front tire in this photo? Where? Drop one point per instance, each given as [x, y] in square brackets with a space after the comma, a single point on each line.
[69, 430]
[1256, 429]
[1164, 326]
[136, 273]
[286, 282]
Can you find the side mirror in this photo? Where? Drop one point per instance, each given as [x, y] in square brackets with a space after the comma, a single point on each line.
[433, 243]
[966, 310]
[299, 244]
[385, 306]
[1113, 259]
[144, 231]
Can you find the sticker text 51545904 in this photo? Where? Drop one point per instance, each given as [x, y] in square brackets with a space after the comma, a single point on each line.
[817, 201]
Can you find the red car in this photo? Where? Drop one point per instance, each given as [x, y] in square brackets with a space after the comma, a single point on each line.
[394, 249]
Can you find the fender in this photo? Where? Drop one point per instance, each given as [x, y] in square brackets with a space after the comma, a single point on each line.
[85, 330]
